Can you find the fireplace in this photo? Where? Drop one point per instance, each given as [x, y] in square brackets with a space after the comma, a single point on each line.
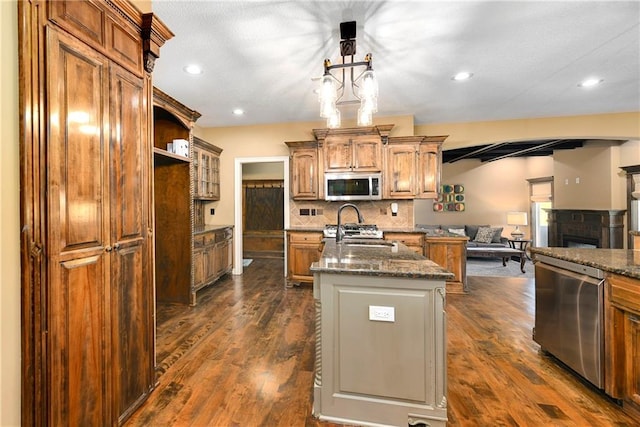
[580, 228]
[569, 241]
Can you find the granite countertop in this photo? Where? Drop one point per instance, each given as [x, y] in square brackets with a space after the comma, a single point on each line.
[619, 261]
[635, 233]
[307, 228]
[426, 232]
[367, 260]
[209, 227]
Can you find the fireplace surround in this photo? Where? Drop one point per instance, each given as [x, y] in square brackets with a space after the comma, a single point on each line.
[581, 227]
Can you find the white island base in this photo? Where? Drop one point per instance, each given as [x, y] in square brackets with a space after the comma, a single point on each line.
[380, 350]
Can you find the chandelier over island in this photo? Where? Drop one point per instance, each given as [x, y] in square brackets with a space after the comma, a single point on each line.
[363, 87]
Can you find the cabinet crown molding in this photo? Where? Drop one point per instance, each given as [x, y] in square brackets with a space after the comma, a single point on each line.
[382, 130]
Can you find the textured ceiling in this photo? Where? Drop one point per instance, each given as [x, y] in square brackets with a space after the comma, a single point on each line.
[527, 57]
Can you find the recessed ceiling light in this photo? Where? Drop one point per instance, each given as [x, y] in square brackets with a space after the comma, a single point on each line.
[193, 69]
[238, 112]
[464, 75]
[591, 82]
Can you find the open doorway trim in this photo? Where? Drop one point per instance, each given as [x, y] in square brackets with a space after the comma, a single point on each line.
[237, 191]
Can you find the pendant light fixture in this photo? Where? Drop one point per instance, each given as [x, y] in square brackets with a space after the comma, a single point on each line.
[348, 87]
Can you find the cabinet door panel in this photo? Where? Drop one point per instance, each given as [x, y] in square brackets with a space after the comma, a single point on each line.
[79, 385]
[338, 155]
[367, 154]
[429, 171]
[133, 292]
[77, 91]
[78, 376]
[632, 346]
[401, 171]
[304, 181]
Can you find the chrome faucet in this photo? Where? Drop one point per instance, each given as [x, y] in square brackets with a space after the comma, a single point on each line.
[340, 230]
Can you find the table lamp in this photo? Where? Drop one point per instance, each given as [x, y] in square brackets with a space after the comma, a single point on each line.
[517, 219]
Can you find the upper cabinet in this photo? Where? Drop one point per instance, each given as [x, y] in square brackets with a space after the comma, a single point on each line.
[353, 154]
[304, 170]
[352, 149]
[412, 167]
[206, 170]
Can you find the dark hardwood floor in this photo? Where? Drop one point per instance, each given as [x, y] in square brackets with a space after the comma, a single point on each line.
[244, 357]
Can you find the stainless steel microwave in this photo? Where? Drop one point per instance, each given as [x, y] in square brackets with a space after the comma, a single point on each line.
[352, 186]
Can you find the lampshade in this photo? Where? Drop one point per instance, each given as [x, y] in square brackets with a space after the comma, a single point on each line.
[516, 218]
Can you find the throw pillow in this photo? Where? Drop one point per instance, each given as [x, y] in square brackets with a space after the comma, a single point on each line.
[472, 230]
[484, 235]
[497, 235]
[457, 231]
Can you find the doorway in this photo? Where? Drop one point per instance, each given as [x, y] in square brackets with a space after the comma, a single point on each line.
[541, 199]
[263, 217]
[249, 162]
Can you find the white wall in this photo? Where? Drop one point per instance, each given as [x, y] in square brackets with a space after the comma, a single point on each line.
[9, 218]
[491, 190]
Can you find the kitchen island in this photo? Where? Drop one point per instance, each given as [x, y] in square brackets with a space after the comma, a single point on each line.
[380, 335]
[619, 314]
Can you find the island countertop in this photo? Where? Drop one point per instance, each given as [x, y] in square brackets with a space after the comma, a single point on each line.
[619, 261]
[372, 260]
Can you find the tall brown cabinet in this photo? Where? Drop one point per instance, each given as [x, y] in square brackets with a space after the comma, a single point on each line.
[86, 217]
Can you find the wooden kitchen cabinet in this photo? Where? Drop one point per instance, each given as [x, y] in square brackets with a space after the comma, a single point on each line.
[401, 173]
[304, 170]
[206, 170]
[345, 153]
[304, 248]
[412, 167]
[622, 345]
[429, 170]
[451, 254]
[212, 256]
[356, 149]
[87, 243]
[414, 241]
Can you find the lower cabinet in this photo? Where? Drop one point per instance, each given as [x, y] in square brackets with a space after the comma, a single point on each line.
[303, 249]
[414, 241]
[622, 345]
[449, 253]
[212, 257]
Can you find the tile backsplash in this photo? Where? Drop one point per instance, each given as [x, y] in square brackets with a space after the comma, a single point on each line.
[374, 212]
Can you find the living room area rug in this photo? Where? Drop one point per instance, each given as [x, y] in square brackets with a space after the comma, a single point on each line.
[493, 267]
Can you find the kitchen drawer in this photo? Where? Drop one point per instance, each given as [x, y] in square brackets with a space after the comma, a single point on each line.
[305, 237]
[624, 292]
[407, 239]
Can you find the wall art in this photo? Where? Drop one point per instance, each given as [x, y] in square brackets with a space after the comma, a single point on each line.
[450, 198]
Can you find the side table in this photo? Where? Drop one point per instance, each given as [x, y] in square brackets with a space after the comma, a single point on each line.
[521, 244]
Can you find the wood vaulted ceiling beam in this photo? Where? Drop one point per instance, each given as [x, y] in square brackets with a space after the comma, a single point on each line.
[476, 153]
[529, 150]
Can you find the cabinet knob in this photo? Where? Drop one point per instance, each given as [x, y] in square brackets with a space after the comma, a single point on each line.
[108, 248]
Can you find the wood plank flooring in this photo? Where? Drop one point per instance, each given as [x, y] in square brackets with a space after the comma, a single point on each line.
[244, 357]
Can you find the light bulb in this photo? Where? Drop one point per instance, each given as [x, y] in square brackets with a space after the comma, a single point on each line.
[327, 89]
[333, 121]
[365, 118]
[369, 85]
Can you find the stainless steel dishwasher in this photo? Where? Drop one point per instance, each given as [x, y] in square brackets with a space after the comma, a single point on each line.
[569, 315]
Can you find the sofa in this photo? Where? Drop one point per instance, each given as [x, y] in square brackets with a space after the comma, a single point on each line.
[471, 231]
